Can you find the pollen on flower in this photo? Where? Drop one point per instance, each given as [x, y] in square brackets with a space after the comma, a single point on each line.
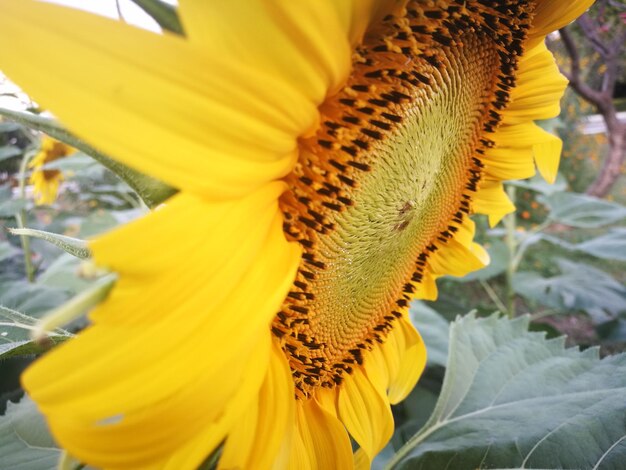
[388, 178]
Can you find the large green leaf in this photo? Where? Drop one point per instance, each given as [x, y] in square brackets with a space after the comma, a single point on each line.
[610, 245]
[25, 443]
[579, 287]
[434, 330]
[580, 210]
[512, 399]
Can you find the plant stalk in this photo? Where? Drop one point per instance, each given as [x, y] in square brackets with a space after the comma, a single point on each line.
[510, 226]
[20, 219]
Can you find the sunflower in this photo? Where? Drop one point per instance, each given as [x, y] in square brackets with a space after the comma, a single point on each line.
[328, 155]
[46, 181]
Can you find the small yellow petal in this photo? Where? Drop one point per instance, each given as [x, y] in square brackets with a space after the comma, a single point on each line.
[491, 199]
[365, 412]
[458, 259]
[509, 163]
[551, 15]
[538, 90]
[412, 361]
[547, 151]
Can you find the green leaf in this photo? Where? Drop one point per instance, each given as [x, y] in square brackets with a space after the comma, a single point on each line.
[75, 163]
[25, 442]
[512, 399]
[67, 273]
[102, 220]
[611, 245]
[579, 287]
[27, 348]
[163, 13]
[73, 246]
[9, 151]
[18, 327]
[434, 330]
[11, 207]
[7, 126]
[32, 299]
[538, 184]
[580, 210]
[150, 190]
[7, 250]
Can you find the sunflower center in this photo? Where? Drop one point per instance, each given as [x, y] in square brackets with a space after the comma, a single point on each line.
[388, 177]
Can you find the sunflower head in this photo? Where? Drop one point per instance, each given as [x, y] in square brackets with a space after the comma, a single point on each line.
[46, 182]
[329, 156]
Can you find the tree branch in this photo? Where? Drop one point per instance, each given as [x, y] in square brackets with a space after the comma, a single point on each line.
[596, 98]
[590, 30]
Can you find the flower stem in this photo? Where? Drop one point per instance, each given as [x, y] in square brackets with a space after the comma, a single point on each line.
[75, 307]
[493, 296]
[510, 227]
[20, 218]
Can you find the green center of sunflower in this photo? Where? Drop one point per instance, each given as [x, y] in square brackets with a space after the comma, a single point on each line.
[388, 177]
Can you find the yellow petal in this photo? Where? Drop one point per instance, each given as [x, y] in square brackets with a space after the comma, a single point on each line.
[311, 42]
[376, 364]
[361, 460]
[509, 163]
[203, 442]
[538, 90]
[157, 102]
[256, 439]
[392, 349]
[491, 199]
[551, 15]
[302, 41]
[199, 284]
[324, 436]
[458, 259]
[547, 151]
[298, 453]
[427, 289]
[412, 361]
[365, 412]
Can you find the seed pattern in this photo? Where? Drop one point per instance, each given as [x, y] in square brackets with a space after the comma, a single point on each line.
[403, 63]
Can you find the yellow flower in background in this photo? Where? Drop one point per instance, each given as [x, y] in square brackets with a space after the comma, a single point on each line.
[328, 155]
[46, 182]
